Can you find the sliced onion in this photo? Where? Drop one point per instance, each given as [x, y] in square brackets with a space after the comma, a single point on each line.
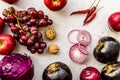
[72, 36]
[84, 37]
[76, 55]
[82, 48]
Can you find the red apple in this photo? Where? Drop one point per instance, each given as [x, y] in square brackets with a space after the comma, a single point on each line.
[114, 21]
[55, 5]
[7, 44]
[2, 25]
[10, 1]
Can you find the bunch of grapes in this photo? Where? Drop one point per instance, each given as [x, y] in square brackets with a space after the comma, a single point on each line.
[25, 26]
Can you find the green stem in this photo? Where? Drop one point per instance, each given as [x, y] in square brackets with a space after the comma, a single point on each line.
[18, 22]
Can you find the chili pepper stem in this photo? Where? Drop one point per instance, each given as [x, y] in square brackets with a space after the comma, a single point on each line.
[92, 4]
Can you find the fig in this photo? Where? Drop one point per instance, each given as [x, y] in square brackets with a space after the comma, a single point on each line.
[57, 71]
[111, 71]
[107, 50]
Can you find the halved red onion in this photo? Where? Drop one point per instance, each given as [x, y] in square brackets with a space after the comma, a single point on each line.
[82, 48]
[84, 37]
[76, 55]
[72, 36]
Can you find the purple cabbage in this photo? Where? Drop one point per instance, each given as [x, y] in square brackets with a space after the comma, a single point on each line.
[16, 67]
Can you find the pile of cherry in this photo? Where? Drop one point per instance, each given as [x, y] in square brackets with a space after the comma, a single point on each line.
[25, 27]
[78, 52]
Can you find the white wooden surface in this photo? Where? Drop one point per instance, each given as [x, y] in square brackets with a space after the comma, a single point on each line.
[63, 23]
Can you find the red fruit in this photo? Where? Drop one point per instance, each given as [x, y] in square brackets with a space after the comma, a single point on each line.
[2, 25]
[114, 21]
[55, 5]
[10, 1]
[7, 44]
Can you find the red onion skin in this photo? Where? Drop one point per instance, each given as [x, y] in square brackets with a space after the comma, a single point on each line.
[82, 48]
[85, 34]
[71, 32]
[81, 36]
[76, 55]
[90, 73]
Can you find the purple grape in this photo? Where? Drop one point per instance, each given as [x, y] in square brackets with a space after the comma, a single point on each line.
[45, 17]
[32, 22]
[40, 51]
[22, 42]
[30, 9]
[14, 28]
[43, 45]
[32, 49]
[40, 14]
[39, 36]
[37, 45]
[30, 42]
[49, 22]
[33, 14]
[25, 26]
[42, 22]
[21, 32]
[24, 38]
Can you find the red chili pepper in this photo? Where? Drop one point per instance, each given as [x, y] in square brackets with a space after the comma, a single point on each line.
[83, 11]
[90, 19]
[92, 10]
[80, 12]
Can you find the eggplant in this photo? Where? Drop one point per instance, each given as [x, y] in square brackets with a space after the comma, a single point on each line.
[111, 71]
[107, 50]
[57, 71]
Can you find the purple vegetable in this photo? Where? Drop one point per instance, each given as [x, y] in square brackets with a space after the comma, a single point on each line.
[90, 73]
[16, 67]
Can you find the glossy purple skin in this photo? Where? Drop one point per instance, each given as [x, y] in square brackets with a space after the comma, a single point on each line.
[90, 73]
[16, 67]
[57, 71]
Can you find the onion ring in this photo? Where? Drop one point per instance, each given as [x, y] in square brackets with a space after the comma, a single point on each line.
[76, 55]
[82, 48]
[84, 37]
[72, 35]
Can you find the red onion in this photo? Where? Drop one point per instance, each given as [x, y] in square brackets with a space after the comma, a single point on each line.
[78, 52]
[84, 37]
[82, 49]
[76, 55]
[90, 73]
[72, 35]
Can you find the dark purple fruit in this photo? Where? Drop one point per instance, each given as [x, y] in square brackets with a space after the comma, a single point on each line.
[107, 50]
[111, 71]
[57, 71]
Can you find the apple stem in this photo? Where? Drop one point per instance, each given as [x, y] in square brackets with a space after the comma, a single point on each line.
[1, 43]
